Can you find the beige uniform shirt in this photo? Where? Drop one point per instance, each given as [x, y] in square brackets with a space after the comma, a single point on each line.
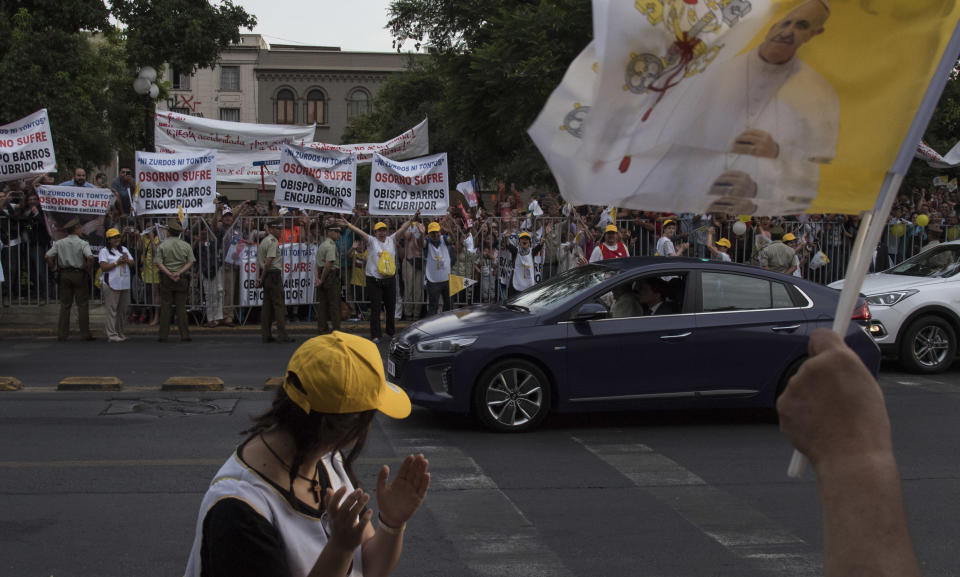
[777, 256]
[328, 253]
[269, 247]
[71, 252]
[174, 254]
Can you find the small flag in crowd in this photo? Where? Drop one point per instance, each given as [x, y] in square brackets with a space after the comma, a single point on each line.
[458, 283]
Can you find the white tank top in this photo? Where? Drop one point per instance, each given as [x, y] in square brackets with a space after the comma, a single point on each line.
[523, 273]
[438, 262]
[304, 536]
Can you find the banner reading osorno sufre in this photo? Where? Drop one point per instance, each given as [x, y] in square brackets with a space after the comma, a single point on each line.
[165, 183]
[411, 144]
[743, 106]
[26, 147]
[298, 262]
[60, 204]
[324, 180]
[238, 144]
[410, 186]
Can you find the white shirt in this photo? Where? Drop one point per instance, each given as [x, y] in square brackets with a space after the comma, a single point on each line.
[665, 247]
[438, 262]
[374, 248]
[119, 278]
[523, 273]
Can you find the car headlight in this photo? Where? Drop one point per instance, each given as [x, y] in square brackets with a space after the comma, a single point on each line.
[889, 299]
[445, 345]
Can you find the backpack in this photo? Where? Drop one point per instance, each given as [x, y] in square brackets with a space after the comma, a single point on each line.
[385, 265]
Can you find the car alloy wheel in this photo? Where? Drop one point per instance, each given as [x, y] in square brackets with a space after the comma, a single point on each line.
[512, 396]
[929, 345]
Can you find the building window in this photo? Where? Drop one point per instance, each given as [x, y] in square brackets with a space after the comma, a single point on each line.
[284, 110]
[180, 81]
[316, 107]
[231, 114]
[358, 103]
[230, 79]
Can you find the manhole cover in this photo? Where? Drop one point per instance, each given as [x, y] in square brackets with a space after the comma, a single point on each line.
[158, 407]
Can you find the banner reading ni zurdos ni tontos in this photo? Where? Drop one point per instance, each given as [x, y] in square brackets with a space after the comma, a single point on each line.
[317, 180]
[405, 187]
[168, 182]
[60, 204]
[298, 263]
[26, 147]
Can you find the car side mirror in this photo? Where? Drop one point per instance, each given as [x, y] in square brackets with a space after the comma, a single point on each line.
[589, 312]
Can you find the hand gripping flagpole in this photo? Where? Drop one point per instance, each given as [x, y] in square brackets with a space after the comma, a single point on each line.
[873, 223]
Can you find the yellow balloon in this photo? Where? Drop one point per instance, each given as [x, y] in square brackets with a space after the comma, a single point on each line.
[898, 230]
[744, 218]
[923, 220]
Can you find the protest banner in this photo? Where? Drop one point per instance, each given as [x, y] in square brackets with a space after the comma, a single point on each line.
[405, 187]
[940, 181]
[411, 144]
[183, 183]
[468, 189]
[298, 262]
[324, 180]
[26, 147]
[60, 204]
[238, 144]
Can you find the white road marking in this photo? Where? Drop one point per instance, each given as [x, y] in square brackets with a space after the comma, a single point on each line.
[745, 532]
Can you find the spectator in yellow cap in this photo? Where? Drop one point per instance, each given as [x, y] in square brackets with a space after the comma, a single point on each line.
[522, 254]
[790, 240]
[665, 245]
[719, 251]
[611, 247]
[287, 501]
[381, 272]
[437, 256]
[115, 261]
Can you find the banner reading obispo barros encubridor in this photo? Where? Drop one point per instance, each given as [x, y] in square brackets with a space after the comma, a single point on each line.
[26, 147]
[297, 274]
[410, 186]
[317, 180]
[168, 182]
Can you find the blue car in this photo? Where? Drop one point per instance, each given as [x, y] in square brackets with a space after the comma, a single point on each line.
[634, 333]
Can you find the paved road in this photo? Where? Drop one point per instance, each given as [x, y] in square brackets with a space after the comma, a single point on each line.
[108, 484]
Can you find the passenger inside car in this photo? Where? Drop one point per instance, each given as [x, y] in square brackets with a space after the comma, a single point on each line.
[653, 292]
[657, 295]
[626, 303]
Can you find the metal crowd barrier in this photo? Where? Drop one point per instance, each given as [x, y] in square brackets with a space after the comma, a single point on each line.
[224, 269]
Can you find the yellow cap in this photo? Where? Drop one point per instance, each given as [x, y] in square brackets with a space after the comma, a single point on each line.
[610, 228]
[668, 223]
[723, 242]
[788, 237]
[433, 227]
[524, 235]
[112, 232]
[379, 225]
[342, 373]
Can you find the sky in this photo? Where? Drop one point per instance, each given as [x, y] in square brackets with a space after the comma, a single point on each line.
[354, 26]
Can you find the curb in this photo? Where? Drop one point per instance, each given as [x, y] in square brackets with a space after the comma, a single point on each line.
[10, 384]
[90, 384]
[273, 383]
[192, 384]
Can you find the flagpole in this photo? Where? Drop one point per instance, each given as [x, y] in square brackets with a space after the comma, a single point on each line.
[873, 223]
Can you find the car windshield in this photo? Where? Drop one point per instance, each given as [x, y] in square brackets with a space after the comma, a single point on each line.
[937, 262]
[561, 289]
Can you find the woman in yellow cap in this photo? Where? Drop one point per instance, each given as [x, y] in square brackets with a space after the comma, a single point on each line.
[286, 502]
[115, 261]
[719, 251]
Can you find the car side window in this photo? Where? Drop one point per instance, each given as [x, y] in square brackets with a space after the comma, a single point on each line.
[736, 292]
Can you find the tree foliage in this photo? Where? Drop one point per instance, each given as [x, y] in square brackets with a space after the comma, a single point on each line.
[489, 68]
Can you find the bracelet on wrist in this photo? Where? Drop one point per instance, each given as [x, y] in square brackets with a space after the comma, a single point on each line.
[388, 529]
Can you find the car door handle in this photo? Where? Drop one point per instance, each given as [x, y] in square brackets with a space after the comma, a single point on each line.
[787, 329]
[675, 337]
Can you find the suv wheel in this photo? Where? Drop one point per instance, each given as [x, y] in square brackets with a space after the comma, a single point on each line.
[929, 345]
[512, 396]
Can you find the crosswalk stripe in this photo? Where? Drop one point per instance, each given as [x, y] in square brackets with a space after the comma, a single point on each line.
[501, 541]
[745, 532]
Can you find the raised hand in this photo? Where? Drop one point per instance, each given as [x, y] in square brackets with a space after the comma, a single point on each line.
[343, 516]
[399, 500]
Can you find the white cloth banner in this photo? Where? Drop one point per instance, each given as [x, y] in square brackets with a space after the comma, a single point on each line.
[298, 262]
[404, 187]
[168, 182]
[469, 191]
[933, 158]
[324, 180]
[411, 144]
[238, 144]
[26, 147]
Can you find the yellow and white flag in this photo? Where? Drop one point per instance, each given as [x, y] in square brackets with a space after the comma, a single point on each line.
[742, 106]
[458, 283]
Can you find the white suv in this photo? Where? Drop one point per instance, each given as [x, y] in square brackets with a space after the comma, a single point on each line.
[915, 308]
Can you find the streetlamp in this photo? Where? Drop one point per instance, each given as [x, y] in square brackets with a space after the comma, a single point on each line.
[145, 85]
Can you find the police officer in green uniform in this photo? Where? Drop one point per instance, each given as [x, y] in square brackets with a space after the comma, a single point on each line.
[327, 280]
[174, 258]
[270, 277]
[73, 257]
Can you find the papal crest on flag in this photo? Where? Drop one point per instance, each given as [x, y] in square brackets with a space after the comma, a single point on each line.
[742, 106]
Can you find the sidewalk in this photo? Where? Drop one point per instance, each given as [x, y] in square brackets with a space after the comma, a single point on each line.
[41, 321]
